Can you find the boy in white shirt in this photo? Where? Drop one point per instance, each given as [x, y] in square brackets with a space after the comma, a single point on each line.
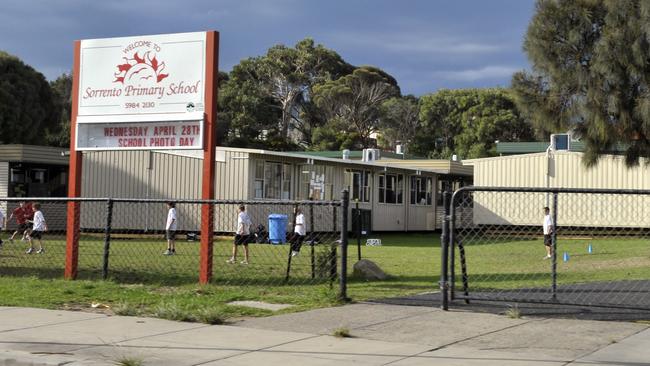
[242, 235]
[299, 232]
[170, 229]
[39, 226]
[547, 226]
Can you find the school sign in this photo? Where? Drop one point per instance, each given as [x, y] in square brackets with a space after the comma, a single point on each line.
[144, 92]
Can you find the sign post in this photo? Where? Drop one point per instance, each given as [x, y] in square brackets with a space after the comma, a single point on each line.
[145, 93]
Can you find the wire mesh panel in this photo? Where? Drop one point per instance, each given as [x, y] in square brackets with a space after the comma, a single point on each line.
[594, 251]
[274, 253]
[158, 241]
[35, 244]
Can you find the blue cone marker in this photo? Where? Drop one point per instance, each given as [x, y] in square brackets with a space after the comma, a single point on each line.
[590, 249]
[565, 257]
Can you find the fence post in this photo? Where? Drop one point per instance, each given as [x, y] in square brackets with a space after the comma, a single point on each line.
[345, 200]
[358, 230]
[333, 270]
[444, 252]
[554, 246]
[311, 236]
[107, 237]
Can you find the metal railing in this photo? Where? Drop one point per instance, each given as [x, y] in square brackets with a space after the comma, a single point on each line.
[126, 240]
[596, 254]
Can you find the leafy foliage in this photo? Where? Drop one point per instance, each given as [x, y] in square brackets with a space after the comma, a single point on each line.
[62, 92]
[27, 105]
[356, 99]
[400, 122]
[590, 73]
[467, 122]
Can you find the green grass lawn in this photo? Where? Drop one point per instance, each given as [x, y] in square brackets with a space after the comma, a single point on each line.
[144, 282]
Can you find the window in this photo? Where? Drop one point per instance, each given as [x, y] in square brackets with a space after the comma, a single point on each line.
[360, 188]
[421, 190]
[391, 188]
[316, 182]
[448, 185]
[37, 180]
[272, 180]
[259, 179]
[38, 175]
[17, 176]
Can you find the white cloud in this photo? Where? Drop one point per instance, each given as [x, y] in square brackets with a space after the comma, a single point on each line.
[410, 41]
[487, 72]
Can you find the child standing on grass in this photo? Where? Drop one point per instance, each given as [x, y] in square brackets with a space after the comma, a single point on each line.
[242, 235]
[170, 229]
[39, 226]
[3, 224]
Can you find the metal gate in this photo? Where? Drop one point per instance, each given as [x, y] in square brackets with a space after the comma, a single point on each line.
[496, 249]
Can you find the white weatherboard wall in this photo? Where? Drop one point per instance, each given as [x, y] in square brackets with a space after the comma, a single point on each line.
[4, 185]
[566, 171]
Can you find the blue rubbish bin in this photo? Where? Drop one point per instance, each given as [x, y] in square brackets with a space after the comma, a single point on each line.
[278, 228]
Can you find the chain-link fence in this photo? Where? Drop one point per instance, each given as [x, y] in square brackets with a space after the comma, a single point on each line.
[126, 240]
[558, 246]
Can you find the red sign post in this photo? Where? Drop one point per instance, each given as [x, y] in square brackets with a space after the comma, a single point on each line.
[144, 93]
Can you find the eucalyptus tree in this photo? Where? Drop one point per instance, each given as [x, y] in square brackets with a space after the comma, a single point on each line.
[356, 99]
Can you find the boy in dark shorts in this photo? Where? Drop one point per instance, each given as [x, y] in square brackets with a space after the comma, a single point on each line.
[242, 235]
[548, 231]
[37, 230]
[170, 229]
[22, 214]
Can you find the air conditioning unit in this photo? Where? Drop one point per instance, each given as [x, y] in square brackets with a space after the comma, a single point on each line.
[371, 154]
[561, 141]
[346, 154]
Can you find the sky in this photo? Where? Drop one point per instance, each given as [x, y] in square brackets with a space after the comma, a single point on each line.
[425, 44]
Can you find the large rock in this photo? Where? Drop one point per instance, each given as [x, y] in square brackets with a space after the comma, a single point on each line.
[369, 270]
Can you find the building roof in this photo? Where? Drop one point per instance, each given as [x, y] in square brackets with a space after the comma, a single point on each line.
[358, 154]
[443, 167]
[19, 153]
[513, 148]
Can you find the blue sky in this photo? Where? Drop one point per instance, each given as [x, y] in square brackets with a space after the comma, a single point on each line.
[425, 45]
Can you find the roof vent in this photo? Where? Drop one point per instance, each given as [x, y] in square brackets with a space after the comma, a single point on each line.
[370, 154]
[560, 141]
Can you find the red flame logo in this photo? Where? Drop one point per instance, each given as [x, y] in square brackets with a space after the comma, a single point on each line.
[139, 69]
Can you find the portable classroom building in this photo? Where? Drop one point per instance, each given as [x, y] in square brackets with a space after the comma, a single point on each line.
[397, 198]
[561, 169]
[33, 171]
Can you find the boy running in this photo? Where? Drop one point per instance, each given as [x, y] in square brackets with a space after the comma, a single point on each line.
[22, 214]
[37, 230]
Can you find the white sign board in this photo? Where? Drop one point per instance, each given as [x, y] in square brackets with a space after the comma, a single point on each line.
[141, 135]
[143, 92]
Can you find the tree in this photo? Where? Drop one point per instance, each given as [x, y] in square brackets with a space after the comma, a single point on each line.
[62, 92]
[467, 122]
[591, 73]
[27, 106]
[288, 74]
[400, 121]
[493, 117]
[356, 99]
[244, 108]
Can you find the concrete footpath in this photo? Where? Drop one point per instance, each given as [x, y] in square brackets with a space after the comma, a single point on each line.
[382, 335]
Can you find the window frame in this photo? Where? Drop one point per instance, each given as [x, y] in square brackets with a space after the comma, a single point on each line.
[421, 185]
[277, 178]
[363, 191]
[390, 188]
